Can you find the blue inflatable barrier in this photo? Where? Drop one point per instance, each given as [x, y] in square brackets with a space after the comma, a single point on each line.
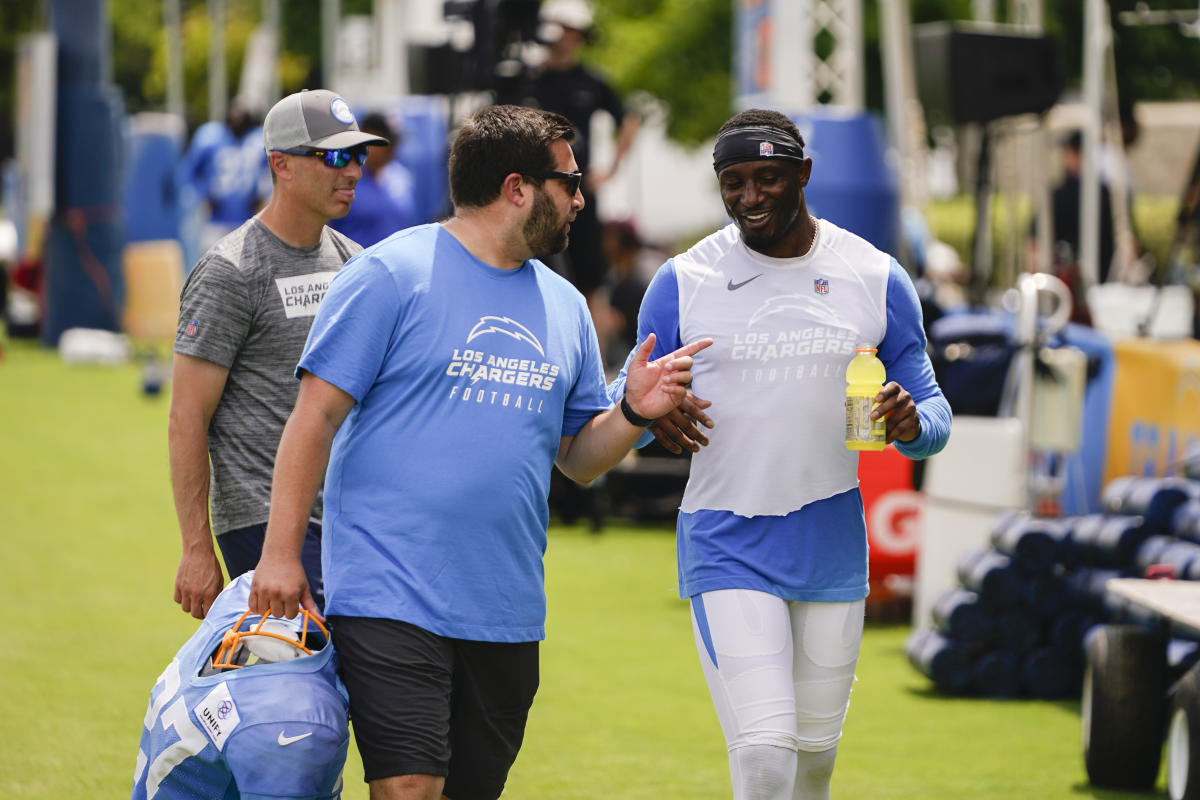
[1049, 672]
[150, 199]
[959, 615]
[997, 674]
[1066, 631]
[1087, 586]
[424, 149]
[1150, 552]
[1017, 632]
[1153, 498]
[1108, 541]
[852, 184]
[940, 659]
[84, 283]
[1028, 542]
[991, 576]
[1185, 521]
[1044, 594]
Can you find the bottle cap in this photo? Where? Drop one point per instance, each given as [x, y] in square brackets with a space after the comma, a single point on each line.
[864, 348]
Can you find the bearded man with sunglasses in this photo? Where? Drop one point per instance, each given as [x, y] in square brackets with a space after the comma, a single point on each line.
[448, 371]
[245, 312]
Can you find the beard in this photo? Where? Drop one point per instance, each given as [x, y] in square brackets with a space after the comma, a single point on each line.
[545, 234]
[765, 240]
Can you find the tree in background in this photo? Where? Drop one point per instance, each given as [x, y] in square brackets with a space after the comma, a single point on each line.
[679, 51]
[140, 49]
[16, 19]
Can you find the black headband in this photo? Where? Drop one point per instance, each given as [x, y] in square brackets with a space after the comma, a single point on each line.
[754, 143]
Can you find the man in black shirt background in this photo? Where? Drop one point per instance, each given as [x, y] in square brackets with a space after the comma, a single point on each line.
[565, 86]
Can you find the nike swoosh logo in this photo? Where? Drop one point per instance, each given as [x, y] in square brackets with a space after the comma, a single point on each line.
[733, 287]
[284, 741]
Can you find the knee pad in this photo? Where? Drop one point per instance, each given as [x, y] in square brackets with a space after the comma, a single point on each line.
[814, 772]
[763, 771]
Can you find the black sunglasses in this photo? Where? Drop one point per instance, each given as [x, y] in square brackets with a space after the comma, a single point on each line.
[571, 179]
[334, 158]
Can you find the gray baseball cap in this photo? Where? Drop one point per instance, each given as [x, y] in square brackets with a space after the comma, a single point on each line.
[317, 118]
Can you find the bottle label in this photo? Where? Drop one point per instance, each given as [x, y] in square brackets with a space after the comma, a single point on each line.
[859, 426]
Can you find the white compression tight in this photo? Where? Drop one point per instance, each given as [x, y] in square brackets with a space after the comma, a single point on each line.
[780, 674]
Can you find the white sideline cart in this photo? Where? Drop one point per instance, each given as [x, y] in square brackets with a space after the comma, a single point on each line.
[1134, 699]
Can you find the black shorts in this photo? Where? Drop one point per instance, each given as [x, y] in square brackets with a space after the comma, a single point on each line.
[423, 704]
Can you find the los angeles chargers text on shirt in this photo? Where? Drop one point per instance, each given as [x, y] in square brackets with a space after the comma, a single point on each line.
[302, 294]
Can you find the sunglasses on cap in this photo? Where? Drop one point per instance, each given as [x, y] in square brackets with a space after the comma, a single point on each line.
[570, 179]
[334, 158]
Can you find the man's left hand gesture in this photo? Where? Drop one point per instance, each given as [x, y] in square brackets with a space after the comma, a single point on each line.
[903, 424]
[653, 388]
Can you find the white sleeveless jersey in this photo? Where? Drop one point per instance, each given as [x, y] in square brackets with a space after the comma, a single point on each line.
[784, 331]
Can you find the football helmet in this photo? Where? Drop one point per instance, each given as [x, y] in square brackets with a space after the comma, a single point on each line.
[268, 641]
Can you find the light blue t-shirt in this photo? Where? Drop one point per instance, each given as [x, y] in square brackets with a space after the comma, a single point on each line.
[465, 377]
[772, 503]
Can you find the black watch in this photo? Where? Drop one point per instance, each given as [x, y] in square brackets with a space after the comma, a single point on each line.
[633, 417]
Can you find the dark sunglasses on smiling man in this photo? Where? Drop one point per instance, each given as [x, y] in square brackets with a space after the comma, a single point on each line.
[570, 179]
[333, 158]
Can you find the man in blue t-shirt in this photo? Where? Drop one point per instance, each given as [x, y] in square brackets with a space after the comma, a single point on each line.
[447, 372]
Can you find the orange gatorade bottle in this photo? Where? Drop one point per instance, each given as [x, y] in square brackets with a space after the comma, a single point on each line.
[865, 376]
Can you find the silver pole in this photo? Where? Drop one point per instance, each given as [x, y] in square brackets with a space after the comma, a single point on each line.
[173, 30]
[331, 25]
[218, 93]
[905, 116]
[1096, 40]
[273, 22]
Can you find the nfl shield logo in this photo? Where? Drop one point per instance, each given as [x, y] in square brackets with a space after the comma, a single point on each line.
[820, 286]
[190, 330]
[766, 149]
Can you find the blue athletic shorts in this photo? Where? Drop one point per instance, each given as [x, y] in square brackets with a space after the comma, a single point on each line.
[241, 549]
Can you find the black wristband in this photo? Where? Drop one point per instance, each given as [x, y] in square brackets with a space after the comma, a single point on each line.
[632, 415]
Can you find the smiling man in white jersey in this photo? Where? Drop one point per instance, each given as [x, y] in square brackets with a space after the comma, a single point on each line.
[772, 544]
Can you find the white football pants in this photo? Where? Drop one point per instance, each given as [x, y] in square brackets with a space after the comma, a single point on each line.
[780, 674]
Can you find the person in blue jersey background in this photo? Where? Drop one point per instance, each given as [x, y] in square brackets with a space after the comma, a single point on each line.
[226, 166]
[447, 372]
[384, 198]
[771, 537]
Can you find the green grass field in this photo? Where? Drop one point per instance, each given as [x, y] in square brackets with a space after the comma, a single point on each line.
[89, 537]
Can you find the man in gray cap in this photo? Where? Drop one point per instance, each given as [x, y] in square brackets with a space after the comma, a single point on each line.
[244, 316]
